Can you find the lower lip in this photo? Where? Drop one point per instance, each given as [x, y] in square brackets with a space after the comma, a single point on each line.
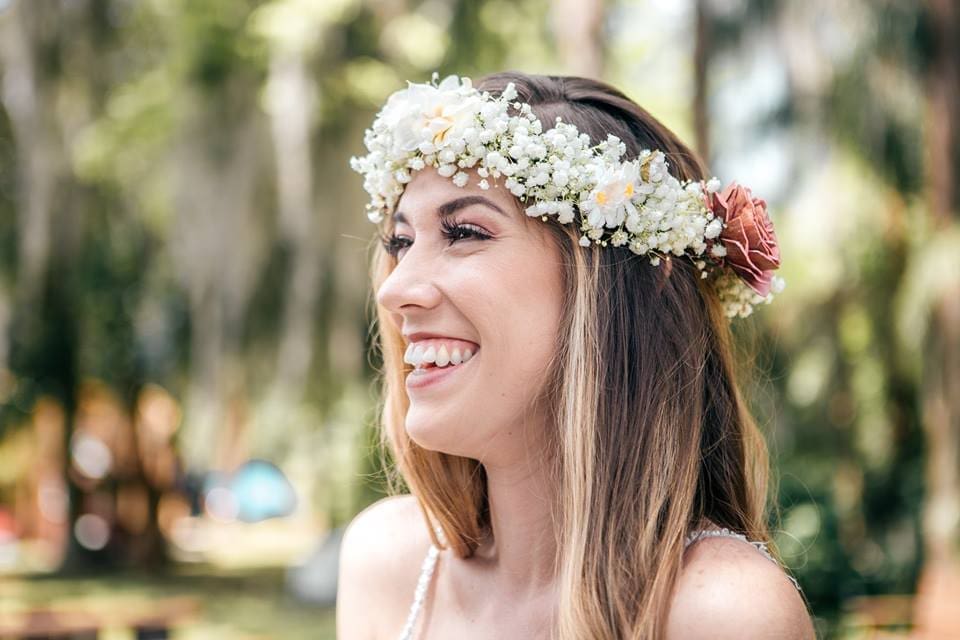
[434, 375]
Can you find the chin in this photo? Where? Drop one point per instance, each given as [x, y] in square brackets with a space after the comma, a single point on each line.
[435, 433]
[427, 431]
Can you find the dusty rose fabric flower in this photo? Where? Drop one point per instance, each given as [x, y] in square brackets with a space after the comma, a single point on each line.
[751, 245]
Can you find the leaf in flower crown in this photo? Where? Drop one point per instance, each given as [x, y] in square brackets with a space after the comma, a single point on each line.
[645, 168]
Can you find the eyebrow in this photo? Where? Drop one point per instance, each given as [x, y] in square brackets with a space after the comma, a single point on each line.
[451, 207]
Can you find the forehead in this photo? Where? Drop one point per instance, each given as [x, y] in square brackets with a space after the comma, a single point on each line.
[429, 194]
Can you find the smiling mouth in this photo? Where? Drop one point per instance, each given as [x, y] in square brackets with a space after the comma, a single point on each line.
[426, 355]
[429, 366]
[428, 373]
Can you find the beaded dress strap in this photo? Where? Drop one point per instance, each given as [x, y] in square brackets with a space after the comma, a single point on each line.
[726, 533]
[430, 562]
[420, 593]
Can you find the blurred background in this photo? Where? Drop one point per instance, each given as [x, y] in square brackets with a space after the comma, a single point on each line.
[186, 386]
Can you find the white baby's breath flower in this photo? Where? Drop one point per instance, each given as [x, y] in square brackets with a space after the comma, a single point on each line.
[619, 238]
[515, 187]
[777, 284]
[713, 229]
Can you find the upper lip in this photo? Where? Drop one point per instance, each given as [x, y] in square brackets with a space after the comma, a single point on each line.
[426, 335]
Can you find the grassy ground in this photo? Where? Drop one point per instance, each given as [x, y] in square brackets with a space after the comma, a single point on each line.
[251, 604]
[238, 605]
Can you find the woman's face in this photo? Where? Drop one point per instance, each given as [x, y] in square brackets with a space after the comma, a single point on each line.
[473, 273]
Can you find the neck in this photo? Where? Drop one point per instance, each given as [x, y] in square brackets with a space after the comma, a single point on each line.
[521, 550]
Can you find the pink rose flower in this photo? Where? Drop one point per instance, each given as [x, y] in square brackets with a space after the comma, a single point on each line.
[748, 237]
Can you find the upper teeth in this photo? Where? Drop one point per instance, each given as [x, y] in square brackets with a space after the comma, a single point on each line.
[419, 355]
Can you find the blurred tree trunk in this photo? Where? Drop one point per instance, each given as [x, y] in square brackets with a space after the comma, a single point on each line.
[291, 96]
[44, 349]
[29, 89]
[219, 248]
[49, 53]
[943, 109]
[937, 613]
[578, 25]
[701, 60]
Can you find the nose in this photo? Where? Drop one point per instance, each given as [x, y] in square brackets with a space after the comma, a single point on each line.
[410, 286]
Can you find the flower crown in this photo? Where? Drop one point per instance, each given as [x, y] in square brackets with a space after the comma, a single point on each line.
[636, 203]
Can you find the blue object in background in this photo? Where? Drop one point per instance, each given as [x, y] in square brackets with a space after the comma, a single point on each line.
[262, 491]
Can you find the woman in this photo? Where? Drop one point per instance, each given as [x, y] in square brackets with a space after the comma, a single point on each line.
[554, 291]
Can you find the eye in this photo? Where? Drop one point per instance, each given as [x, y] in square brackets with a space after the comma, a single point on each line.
[393, 244]
[453, 231]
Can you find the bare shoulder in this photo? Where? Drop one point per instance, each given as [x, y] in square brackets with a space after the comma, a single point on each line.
[380, 558]
[728, 589]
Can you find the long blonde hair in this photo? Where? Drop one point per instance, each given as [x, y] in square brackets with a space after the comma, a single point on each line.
[651, 434]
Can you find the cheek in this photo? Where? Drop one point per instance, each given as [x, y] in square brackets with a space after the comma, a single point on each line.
[536, 326]
[525, 311]
[516, 310]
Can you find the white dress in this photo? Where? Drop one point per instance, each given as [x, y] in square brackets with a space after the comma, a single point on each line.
[426, 571]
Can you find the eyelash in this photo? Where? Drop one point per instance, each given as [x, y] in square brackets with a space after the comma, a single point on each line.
[452, 231]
